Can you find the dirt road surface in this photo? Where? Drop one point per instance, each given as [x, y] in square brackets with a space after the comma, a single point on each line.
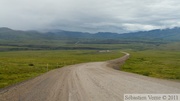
[87, 82]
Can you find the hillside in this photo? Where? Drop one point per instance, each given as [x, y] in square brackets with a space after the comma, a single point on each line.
[60, 39]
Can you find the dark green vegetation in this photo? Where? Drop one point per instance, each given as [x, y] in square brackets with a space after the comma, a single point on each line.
[68, 40]
[161, 64]
[22, 65]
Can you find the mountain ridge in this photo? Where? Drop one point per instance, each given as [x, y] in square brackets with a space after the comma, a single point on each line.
[69, 38]
[157, 33]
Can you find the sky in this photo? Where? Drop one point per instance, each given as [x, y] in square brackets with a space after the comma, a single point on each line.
[93, 16]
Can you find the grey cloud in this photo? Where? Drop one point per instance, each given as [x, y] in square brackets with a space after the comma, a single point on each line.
[90, 15]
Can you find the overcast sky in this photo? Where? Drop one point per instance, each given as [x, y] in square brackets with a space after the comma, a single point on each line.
[90, 15]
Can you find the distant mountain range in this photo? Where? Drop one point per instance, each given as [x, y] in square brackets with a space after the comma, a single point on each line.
[18, 37]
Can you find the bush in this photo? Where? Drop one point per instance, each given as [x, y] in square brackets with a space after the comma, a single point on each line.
[31, 64]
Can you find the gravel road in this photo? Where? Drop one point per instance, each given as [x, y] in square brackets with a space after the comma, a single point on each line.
[95, 81]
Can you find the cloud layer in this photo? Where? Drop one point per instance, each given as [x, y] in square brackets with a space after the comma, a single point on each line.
[90, 15]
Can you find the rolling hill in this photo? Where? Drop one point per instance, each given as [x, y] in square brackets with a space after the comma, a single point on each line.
[60, 39]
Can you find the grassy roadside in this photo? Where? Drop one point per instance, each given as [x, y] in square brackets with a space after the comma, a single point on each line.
[18, 66]
[160, 64]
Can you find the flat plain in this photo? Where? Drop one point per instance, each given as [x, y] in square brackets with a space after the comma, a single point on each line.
[17, 66]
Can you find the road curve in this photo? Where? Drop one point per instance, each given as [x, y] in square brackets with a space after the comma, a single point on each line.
[95, 81]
